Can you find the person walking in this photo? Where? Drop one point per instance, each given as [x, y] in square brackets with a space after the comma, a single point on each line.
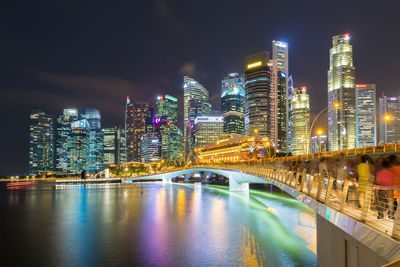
[363, 170]
[395, 169]
[384, 195]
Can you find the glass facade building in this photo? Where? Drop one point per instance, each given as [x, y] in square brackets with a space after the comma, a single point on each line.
[258, 93]
[150, 147]
[196, 103]
[366, 127]
[341, 90]
[63, 138]
[208, 130]
[41, 143]
[78, 143]
[233, 103]
[136, 115]
[167, 126]
[300, 121]
[389, 128]
[114, 146]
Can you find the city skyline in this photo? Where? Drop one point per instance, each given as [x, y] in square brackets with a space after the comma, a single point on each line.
[54, 82]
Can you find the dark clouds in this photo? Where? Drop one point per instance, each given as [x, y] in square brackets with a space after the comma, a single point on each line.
[58, 54]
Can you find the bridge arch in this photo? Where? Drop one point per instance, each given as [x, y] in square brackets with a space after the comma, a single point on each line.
[238, 180]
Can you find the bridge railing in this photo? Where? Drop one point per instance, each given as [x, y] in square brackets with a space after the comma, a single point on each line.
[368, 203]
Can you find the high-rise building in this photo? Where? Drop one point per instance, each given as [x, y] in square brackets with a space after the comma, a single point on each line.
[63, 140]
[78, 146]
[341, 95]
[114, 146]
[258, 92]
[290, 95]
[300, 121]
[41, 143]
[167, 116]
[280, 53]
[233, 103]
[366, 132]
[195, 104]
[389, 120]
[94, 158]
[150, 147]
[207, 130]
[135, 127]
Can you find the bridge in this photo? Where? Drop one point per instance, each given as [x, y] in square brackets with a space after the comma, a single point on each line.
[346, 234]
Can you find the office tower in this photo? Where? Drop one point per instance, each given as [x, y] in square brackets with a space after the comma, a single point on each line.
[41, 143]
[149, 121]
[300, 121]
[78, 145]
[366, 132]
[63, 133]
[258, 92]
[150, 147]
[319, 143]
[279, 66]
[207, 130]
[195, 104]
[114, 146]
[389, 120]
[135, 127]
[167, 115]
[94, 160]
[290, 95]
[341, 95]
[233, 103]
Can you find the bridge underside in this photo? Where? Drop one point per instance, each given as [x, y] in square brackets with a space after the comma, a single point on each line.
[238, 181]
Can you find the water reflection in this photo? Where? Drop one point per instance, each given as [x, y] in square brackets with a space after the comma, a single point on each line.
[154, 224]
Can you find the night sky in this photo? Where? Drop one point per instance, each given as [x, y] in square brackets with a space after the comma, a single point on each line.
[59, 54]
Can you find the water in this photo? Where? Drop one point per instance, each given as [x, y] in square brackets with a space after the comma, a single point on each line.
[153, 225]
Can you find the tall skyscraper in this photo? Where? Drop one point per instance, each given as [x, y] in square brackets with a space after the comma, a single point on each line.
[258, 92]
[389, 120]
[195, 104]
[300, 121]
[78, 146]
[208, 129]
[167, 114]
[41, 143]
[279, 68]
[95, 148]
[341, 90]
[135, 127]
[366, 132]
[233, 103]
[290, 95]
[114, 146]
[150, 147]
[63, 140]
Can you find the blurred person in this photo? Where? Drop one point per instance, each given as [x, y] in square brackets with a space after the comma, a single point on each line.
[363, 170]
[395, 169]
[341, 175]
[384, 195]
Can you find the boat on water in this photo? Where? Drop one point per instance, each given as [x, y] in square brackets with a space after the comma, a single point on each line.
[24, 184]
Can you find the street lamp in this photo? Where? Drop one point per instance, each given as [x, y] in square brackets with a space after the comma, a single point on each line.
[255, 131]
[387, 117]
[335, 105]
[320, 132]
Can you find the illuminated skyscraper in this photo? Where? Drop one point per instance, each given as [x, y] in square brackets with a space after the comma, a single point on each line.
[279, 66]
[290, 95]
[208, 129]
[114, 146]
[300, 121]
[63, 134]
[78, 146]
[95, 148]
[341, 90]
[366, 115]
[41, 146]
[389, 120]
[233, 103]
[171, 136]
[150, 147]
[258, 94]
[135, 127]
[195, 104]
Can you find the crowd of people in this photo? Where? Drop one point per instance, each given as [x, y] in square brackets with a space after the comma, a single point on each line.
[383, 173]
